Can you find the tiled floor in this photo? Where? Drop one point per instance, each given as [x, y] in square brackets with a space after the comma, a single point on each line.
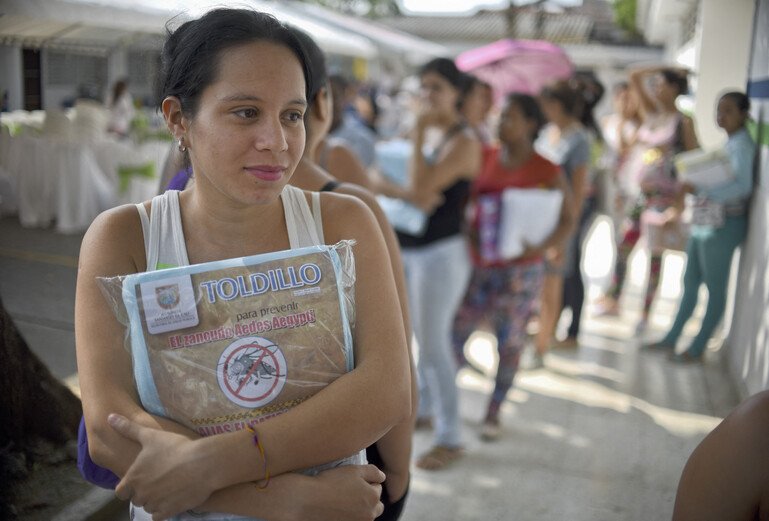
[601, 433]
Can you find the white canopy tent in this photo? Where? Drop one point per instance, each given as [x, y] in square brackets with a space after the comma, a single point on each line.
[94, 42]
[101, 25]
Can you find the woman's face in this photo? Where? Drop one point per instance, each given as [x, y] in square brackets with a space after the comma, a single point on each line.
[552, 108]
[664, 91]
[248, 133]
[437, 93]
[728, 116]
[476, 105]
[513, 125]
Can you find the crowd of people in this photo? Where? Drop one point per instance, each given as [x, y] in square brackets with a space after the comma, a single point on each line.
[257, 144]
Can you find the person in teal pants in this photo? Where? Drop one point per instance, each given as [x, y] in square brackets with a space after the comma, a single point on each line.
[719, 225]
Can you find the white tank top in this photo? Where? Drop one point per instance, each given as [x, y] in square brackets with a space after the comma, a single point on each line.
[165, 248]
[164, 242]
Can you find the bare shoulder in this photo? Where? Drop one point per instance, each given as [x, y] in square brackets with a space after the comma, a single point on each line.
[115, 238]
[467, 138]
[346, 216]
[340, 152]
[365, 195]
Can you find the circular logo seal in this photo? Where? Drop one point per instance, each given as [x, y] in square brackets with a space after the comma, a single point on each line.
[251, 371]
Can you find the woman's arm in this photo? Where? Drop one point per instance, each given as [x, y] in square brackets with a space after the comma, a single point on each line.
[112, 246]
[395, 446]
[689, 135]
[460, 158]
[721, 479]
[579, 187]
[637, 80]
[567, 219]
[741, 157]
[348, 493]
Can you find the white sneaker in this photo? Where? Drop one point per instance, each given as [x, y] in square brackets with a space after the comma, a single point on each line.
[490, 431]
[537, 361]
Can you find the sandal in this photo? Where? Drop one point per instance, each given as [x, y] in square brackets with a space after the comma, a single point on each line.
[658, 346]
[439, 457]
[685, 358]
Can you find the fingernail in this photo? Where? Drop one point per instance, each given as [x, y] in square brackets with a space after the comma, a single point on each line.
[114, 419]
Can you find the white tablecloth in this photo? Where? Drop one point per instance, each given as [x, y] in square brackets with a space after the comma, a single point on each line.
[70, 182]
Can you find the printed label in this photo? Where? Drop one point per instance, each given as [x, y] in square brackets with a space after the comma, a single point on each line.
[169, 304]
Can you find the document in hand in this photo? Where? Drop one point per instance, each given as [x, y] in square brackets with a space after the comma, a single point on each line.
[403, 216]
[219, 345]
[392, 160]
[704, 169]
[529, 216]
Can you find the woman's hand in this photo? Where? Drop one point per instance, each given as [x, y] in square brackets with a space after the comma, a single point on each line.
[688, 188]
[670, 216]
[426, 201]
[532, 251]
[348, 493]
[554, 255]
[167, 476]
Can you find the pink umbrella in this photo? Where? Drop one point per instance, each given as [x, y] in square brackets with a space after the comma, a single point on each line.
[523, 66]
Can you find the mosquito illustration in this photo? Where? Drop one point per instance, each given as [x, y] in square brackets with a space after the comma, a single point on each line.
[250, 367]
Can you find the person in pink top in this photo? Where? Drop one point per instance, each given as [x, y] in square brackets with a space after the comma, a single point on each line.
[652, 185]
[505, 292]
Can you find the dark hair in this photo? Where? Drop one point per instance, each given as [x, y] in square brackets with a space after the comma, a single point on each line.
[445, 68]
[567, 95]
[118, 89]
[191, 54]
[316, 61]
[592, 91]
[469, 82]
[530, 109]
[339, 85]
[739, 99]
[620, 86]
[676, 79]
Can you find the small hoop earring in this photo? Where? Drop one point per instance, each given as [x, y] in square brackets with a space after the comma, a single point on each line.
[182, 147]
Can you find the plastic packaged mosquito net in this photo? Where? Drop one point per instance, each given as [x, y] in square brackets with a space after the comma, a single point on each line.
[220, 345]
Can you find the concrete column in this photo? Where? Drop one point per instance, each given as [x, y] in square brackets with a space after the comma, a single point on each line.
[11, 76]
[724, 51]
[117, 67]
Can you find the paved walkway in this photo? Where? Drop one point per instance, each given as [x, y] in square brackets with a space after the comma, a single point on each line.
[601, 433]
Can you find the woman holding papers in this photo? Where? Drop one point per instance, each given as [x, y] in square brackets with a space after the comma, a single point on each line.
[505, 290]
[650, 174]
[719, 225]
[234, 94]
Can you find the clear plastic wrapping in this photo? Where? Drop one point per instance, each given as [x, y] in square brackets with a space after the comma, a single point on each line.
[219, 345]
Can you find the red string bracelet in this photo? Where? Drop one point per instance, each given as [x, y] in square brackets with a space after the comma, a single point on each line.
[259, 446]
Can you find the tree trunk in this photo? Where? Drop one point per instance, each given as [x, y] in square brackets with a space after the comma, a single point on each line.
[36, 405]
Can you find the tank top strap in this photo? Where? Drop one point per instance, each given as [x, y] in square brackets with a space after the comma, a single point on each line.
[164, 244]
[302, 226]
[145, 219]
